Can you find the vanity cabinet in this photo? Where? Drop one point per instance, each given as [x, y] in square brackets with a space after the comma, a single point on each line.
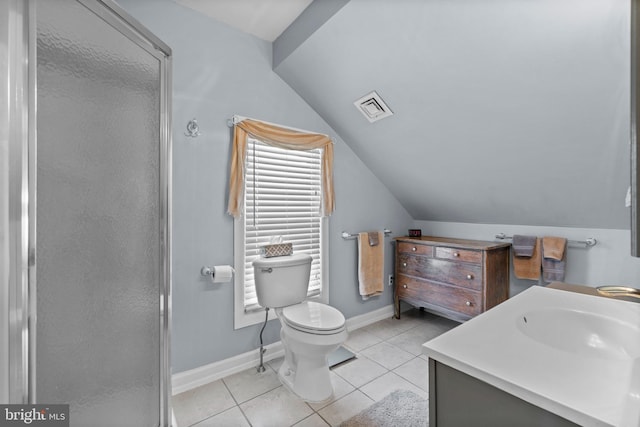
[455, 278]
[482, 404]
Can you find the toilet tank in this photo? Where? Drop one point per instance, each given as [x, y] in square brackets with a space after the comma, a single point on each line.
[282, 281]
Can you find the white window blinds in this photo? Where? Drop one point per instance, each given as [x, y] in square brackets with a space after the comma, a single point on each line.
[282, 198]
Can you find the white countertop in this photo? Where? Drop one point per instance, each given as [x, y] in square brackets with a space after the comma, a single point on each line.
[586, 388]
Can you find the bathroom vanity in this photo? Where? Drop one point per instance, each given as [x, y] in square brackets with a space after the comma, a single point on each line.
[455, 278]
[546, 357]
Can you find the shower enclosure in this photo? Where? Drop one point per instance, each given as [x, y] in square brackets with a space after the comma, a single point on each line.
[84, 212]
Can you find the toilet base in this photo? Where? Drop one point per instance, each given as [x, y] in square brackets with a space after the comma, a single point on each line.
[305, 369]
[312, 383]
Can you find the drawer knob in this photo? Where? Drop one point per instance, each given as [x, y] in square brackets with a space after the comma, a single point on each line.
[404, 264]
[469, 276]
[414, 249]
[456, 254]
[469, 304]
[404, 286]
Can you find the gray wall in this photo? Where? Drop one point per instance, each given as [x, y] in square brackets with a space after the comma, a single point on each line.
[218, 72]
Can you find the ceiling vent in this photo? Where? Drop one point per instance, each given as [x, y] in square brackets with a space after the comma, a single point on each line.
[373, 107]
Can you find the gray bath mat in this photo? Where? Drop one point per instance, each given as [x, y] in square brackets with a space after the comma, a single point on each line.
[339, 356]
[400, 408]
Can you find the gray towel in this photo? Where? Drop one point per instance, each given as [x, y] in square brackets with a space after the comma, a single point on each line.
[523, 246]
[553, 270]
[554, 258]
[373, 238]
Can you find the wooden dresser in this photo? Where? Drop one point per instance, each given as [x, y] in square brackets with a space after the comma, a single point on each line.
[455, 278]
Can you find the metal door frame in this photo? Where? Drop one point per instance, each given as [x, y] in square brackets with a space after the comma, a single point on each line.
[18, 115]
[15, 118]
[635, 122]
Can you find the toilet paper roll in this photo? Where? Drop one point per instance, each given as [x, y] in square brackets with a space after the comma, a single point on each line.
[222, 273]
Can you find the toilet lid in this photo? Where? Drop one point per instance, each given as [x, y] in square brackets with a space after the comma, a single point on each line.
[313, 316]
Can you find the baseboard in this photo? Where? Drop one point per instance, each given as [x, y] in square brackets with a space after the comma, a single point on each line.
[362, 320]
[188, 380]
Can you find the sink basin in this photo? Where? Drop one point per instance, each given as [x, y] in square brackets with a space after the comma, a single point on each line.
[584, 333]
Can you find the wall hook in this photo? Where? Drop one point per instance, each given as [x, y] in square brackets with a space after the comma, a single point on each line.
[192, 129]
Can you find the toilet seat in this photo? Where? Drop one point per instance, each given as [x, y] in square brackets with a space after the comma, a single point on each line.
[313, 318]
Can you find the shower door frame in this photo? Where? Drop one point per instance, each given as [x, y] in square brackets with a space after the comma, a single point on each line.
[15, 281]
[19, 117]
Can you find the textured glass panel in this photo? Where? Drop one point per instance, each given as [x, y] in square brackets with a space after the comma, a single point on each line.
[98, 220]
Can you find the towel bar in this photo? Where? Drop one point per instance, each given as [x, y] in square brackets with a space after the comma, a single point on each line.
[590, 241]
[348, 236]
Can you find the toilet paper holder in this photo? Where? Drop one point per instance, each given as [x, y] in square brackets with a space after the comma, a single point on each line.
[211, 271]
[207, 271]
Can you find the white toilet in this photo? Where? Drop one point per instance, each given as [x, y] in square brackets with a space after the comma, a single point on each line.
[310, 330]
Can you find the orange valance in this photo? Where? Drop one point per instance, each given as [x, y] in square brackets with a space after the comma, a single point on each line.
[283, 138]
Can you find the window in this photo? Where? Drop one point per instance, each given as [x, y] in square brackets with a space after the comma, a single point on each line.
[282, 197]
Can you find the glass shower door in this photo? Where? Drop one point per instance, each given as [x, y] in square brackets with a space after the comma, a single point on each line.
[101, 217]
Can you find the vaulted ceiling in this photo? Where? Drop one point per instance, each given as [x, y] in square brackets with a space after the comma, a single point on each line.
[266, 19]
[505, 111]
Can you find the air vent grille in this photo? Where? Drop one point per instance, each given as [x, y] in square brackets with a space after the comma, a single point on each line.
[373, 107]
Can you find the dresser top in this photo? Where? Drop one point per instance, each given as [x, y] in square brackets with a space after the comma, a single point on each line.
[454, 243]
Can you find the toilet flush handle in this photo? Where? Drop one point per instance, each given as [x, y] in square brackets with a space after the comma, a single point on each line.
[267, 270]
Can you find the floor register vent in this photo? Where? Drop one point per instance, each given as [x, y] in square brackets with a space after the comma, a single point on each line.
[373, 107]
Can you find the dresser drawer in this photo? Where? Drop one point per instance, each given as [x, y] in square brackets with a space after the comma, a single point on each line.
[459, 254]
[453, 298]
[411, 264]
[459, 274]
[412, 248]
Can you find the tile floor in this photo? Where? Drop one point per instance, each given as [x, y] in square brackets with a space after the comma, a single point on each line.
[389, 357]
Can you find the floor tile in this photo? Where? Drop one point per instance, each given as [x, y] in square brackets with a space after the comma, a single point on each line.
[387, 355]
[250, 383]
[230, 418]
[442, 322]
[415, 371]
[418, 317]
[202, 402]
[314, 420]
[389, 382]
[360, 371]
[387, 328]
[345, 408]
[276, 408]
[276, 363]
[414, 317]
[360, 339]
[411, 341]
